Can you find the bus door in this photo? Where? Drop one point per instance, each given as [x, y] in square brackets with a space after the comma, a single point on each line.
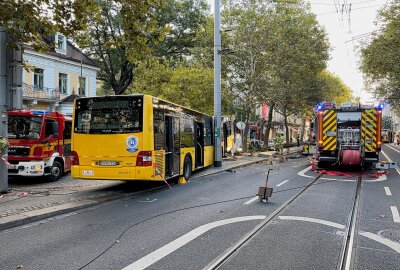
[199, 141]
[172, 143]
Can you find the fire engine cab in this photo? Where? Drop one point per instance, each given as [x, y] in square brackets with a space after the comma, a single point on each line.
[40, 143]
[348, 135]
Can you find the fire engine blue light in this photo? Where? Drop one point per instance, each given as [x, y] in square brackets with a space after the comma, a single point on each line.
[40, 112]
[380, 106]
[319, 107]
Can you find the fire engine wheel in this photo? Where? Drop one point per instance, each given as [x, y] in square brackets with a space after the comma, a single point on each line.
[187, 168]
[55, 171]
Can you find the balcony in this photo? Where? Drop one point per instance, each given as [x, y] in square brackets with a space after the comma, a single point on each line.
[44, 93]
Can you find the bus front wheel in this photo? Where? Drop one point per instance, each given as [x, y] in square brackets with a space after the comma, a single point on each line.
[187, 168]
[55, 171]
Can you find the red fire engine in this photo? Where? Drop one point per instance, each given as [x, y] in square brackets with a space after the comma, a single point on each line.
[40, 143]
[348, 135]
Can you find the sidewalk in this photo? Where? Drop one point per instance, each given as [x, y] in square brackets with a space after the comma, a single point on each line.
[31, 200]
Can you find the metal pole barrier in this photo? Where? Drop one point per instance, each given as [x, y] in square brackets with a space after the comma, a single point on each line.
[3, 109]
[217, 84]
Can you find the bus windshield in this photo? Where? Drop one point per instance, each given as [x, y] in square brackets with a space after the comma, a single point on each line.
[109, 115]
[24, 127]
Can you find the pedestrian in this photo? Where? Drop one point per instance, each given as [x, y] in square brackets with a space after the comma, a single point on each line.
[298, 140]
[237, 146]
[279, 143]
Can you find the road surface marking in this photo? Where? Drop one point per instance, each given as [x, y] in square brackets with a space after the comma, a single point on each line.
[302, 173]
[389, 243]
[160, 253]
[252, 200]
[395, 214]
[394, 149]
[388, 158]
[393, 245]
[314, 220]
[280, 184]
[387, 190]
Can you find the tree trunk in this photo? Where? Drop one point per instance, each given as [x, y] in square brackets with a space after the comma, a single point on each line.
[269, 123]
[246, 132]
[286, 126]
[303, 128]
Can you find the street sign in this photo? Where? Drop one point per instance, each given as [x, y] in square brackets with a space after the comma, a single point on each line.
[240, 125]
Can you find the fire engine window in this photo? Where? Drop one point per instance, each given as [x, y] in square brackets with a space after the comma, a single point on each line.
[51, 127]
[67, 130]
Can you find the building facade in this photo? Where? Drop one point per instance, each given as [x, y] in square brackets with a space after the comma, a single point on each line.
[54, 76]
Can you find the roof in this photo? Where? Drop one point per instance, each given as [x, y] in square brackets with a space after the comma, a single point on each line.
[73, 54]
[69, 99]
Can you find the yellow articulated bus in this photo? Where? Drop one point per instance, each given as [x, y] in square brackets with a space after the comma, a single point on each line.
[138, 137]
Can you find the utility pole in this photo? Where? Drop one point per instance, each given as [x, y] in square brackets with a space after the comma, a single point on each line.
[217, 84]
[3, 109]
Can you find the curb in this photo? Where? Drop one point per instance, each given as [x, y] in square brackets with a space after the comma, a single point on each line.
[40, 214]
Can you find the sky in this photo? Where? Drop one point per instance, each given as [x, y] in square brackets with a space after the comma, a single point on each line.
[345, 30]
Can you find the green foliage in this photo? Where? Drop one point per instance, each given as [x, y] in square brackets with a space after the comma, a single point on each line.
[387, 122]
[333, 88]
[127, 32]
[184, 19]
[119, 37]
[190, 85]
[33, 22]
[279, 50]
[381, 57]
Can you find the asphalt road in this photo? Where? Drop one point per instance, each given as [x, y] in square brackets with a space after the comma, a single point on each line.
[188, 226]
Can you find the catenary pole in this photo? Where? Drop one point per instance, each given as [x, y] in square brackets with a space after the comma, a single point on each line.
[3, 108]
[217, 84]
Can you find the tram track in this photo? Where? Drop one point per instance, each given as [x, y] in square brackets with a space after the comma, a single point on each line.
[347, 253]
[230, 252]
[346, 258]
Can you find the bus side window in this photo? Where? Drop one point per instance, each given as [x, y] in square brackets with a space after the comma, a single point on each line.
[208, 134]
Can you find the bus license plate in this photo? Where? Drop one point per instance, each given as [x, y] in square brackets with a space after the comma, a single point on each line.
[108, 163]
[87, 173]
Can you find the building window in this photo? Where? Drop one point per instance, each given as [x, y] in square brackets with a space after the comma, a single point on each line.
[38, 79]
[62, 83]
[61, 43]
[82, 86]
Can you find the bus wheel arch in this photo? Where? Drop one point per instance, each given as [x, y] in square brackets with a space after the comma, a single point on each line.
[187, 167]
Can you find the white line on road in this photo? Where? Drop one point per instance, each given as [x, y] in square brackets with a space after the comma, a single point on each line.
[394, 149]
[252, 200]
[314, 220]
[387, 190]
[389, 243]
[280, 184]
[302, 173]
[395, 214]
[388, 158]
[160, 253]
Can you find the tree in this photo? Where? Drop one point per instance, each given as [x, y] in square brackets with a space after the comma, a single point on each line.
[333, 89]
[33, 22]
[119, 37]
[128, 32]
[381, 57]
[279, 49]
